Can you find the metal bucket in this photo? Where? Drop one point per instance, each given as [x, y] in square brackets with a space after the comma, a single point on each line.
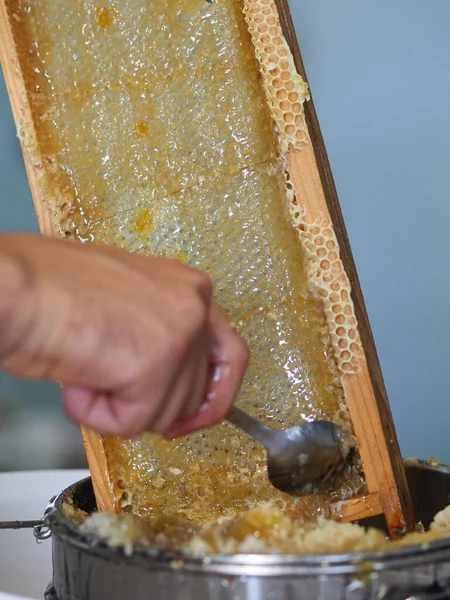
[85, 569]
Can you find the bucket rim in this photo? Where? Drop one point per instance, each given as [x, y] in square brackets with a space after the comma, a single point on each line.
[67, 531]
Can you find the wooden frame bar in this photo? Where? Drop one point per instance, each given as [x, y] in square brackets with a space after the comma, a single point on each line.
[365, 392]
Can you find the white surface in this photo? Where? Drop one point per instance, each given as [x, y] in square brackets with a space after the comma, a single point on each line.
[25, 565]
[4, 596]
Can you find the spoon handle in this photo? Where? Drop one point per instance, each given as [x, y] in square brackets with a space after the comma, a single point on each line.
[264, 434]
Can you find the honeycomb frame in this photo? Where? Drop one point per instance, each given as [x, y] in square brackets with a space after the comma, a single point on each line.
[285, 94]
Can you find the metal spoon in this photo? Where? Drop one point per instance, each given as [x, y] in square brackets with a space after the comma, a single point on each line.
[301, 460]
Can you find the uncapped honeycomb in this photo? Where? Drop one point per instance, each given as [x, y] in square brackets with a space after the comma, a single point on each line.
[161, 126]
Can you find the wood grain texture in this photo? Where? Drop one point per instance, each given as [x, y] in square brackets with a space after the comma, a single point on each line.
[366, 393]
[23, 119]
[98, 467]
[357, 509]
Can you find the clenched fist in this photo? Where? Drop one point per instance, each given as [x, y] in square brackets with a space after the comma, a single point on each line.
[135, 341]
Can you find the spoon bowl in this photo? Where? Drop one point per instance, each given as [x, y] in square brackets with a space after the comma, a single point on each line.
[301, 460]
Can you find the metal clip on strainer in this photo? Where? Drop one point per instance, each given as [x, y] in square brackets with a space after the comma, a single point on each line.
[41, 530]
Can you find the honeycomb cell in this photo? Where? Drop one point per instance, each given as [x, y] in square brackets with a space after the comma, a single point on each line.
[327, 277]
[285, 89]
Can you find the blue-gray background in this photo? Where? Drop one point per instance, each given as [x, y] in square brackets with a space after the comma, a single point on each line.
[380, 77]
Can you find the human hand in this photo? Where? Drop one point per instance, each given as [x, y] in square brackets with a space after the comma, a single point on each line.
[135, 341]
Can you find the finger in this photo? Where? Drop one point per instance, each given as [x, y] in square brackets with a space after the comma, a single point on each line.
[108, 415]
[156, 268]
[230, 360]
[200, 378]
[189, 390]
[152, 403]
[208, 413]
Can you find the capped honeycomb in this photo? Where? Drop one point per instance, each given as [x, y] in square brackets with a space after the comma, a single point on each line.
[330, 282]
[161, 127]
[285, 90]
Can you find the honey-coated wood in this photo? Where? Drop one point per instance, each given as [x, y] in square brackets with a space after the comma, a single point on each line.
[95, 453]
[23, 119]
[358, 508]
[364, 391]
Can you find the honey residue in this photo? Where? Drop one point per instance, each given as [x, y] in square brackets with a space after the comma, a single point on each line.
[141, 128]
[105, 16]
[262, 530]
[181, 258]
[144, 221]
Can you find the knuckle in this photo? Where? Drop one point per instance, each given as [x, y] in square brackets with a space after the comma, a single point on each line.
[200, 282]
[203, 284]
[193, 310]
[132, 371]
